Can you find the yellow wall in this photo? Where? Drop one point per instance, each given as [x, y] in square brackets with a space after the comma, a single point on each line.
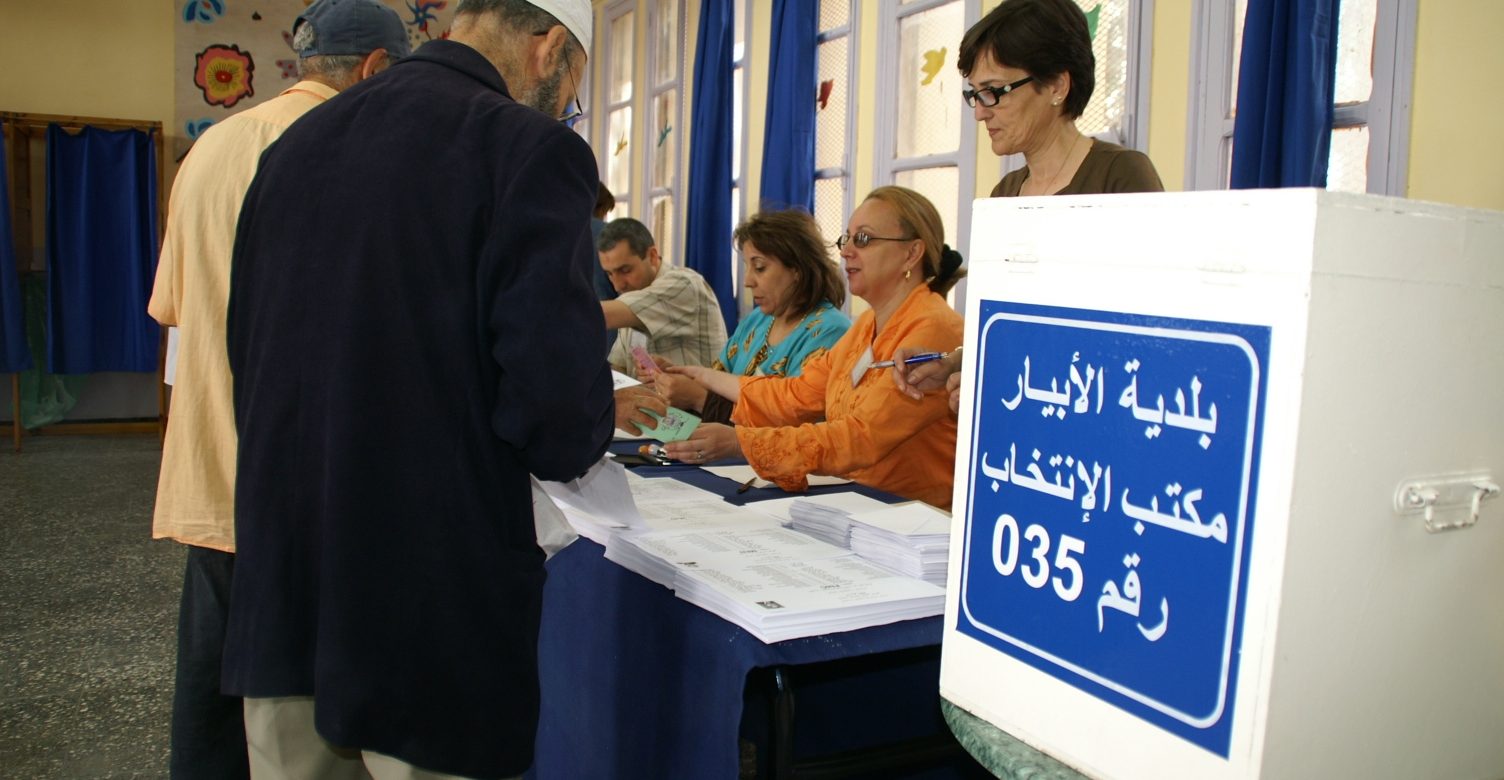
[101, 58]
[1455, 154]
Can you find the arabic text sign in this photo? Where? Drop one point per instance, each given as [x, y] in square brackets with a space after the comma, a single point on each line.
[1110, 504]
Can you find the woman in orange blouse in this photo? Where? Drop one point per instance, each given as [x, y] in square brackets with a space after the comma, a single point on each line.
[838, 417]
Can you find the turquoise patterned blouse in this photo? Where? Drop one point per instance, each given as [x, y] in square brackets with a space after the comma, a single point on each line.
[747, 352]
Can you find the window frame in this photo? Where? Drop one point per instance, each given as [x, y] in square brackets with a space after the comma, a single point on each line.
[650, 192]
[609, 14]
[1386, 112]
[851, 32]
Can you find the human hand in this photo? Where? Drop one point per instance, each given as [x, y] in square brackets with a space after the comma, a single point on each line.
[954, 386]
[710, 441]
[630, 403]
[680, 389]
[662, 362]
[914, 381]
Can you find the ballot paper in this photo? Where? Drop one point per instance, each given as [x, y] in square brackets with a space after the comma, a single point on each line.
[658, 555]
[597, 502]
[781, 600]
[912, 539]
[781, 508]
[664, 503]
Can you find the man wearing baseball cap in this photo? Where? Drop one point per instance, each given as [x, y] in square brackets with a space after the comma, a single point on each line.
[339, 43]
[412, 332]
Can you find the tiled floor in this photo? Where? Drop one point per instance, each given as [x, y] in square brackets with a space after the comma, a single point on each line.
[88, 610]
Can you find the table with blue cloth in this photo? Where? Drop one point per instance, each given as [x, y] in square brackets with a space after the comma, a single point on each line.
[637, 683]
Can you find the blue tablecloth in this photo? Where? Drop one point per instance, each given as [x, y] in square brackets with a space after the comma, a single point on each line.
[639, 683]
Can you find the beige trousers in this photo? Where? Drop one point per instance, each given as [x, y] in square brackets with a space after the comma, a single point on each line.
[284, 745]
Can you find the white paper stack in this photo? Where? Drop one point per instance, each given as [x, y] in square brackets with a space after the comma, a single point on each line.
[830, 520]
[912, 539]
[780, 600]
[659, 555]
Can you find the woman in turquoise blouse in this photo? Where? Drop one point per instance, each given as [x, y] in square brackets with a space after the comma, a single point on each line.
[796, 295]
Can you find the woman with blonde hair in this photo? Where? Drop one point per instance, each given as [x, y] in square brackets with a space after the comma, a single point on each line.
[838, 417]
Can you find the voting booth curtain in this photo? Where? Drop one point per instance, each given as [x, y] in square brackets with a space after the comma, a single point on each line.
[708, 249]
[15, 356]
[788, 160]
[101, 250]
[1282, 133]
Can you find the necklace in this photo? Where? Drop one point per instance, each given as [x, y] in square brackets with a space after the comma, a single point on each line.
[1049, 187]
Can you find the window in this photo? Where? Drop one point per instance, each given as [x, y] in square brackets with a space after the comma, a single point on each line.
[1370, 128]
[933, 150]
[834, 120]
[616, 145]
[666, 63]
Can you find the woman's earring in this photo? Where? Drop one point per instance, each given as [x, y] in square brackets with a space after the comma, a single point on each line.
[907, 272]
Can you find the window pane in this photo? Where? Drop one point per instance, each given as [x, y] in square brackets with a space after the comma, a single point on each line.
[667, 53]
[618, 154]
[834, 13]
[736, 123]
[621, 58]
[940, 185]
[739, 29]
[736, 219]
[1347, 164]
[1355, 50]
[830, 105]
[665, 119]
[1240, 10]
[662, 226]
[1108, 107]
[928, 85]
[830, 207]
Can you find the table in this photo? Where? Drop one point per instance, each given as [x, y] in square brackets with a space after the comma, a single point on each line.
[639, 683]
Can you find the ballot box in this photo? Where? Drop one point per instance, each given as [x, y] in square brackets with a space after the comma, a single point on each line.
[1227, 485]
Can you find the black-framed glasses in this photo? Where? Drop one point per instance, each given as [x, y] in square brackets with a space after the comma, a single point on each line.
[989, 96]
[862, 239]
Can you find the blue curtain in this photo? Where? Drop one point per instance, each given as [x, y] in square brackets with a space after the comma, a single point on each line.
[101, 250]
[788, 157]
[708, 213]
[14, 354]
[1282, 134]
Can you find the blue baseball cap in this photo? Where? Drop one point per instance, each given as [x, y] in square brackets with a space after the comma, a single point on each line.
[352, 27]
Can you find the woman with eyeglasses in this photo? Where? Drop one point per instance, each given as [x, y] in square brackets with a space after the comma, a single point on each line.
[1032, 71]
[796, 294]
[841, 416]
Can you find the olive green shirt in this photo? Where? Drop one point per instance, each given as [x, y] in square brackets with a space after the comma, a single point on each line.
[1107, 168]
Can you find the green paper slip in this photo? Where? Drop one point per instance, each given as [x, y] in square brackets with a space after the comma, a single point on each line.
[677, 425]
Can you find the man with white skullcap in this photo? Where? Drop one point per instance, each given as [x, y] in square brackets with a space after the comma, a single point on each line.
[412, 332]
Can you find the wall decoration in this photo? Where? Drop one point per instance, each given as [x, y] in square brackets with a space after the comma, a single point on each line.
[224, 74]
[218, 44]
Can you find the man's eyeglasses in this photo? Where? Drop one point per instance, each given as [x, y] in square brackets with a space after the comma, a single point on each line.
[989, 96]
[862, 239]
[578, 107]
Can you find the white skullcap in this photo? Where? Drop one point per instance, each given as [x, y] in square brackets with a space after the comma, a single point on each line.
[575, 15]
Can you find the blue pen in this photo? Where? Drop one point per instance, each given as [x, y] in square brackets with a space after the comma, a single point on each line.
[923, 357]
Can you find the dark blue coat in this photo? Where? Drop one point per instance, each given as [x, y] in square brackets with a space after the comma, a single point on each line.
[412, 330]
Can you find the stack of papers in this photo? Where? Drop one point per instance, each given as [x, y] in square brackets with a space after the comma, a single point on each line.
[660, 555]
[912, 539]
[830, 520]
[780, 600]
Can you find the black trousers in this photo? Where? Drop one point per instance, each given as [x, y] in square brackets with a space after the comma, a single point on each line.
[208, 728]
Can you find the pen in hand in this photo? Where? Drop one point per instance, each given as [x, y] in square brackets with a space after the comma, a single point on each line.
[924, 357]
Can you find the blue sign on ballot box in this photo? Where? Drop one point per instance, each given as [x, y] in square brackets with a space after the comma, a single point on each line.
[1110, 504]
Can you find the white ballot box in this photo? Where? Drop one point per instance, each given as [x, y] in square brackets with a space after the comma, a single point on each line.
[1226, 497]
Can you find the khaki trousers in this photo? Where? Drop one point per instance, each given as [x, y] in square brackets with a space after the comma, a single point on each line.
[284, 745]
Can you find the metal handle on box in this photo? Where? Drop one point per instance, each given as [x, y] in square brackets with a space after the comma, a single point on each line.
[1459, 497]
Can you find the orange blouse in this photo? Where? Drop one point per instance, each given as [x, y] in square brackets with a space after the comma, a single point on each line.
[817, 423]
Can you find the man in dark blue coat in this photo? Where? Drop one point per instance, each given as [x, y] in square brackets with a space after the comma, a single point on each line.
[412, 331]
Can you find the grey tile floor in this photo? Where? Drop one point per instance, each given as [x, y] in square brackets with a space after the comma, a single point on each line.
[88, 610]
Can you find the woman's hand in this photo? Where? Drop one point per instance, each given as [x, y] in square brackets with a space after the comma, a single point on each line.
[678, 386]
[710, 441]
[630, 403]
[954, 386]
[914, 381]
[719, 382]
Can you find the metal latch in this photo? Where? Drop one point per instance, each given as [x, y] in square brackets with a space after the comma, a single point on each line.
[1456, 497]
